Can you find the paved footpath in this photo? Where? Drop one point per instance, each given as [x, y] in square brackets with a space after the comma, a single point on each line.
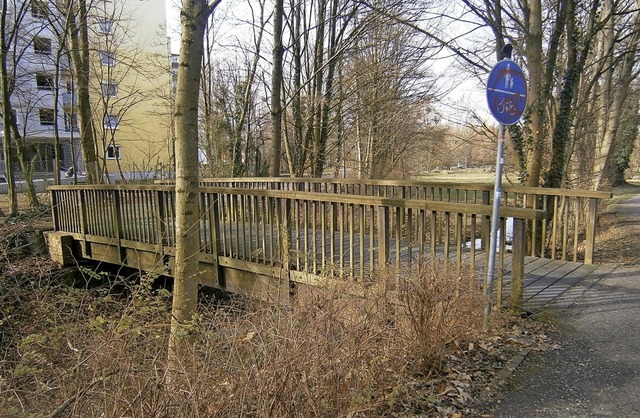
[596, 372]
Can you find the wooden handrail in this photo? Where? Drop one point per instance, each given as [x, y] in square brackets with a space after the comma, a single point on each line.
[405, 183]
[567, 233]
[310, 235]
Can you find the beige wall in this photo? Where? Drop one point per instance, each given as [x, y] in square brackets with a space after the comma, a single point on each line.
[141, 68]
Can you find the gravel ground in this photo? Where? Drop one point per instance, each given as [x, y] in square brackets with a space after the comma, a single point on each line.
[596, 370]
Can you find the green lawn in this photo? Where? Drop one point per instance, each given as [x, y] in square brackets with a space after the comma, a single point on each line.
[471, 176]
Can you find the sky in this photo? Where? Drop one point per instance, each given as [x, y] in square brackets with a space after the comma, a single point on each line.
[459, 89]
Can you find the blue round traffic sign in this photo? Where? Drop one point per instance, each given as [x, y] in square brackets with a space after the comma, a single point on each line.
[507, 92]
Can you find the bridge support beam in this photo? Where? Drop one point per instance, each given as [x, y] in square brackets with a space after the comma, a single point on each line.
[60, 246]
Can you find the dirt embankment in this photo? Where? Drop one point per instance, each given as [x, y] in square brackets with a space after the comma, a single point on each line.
[618, 238]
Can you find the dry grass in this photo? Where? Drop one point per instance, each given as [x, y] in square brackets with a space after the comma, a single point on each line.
[23, 203]
[476, 176]
[89, 352]
[618, 237]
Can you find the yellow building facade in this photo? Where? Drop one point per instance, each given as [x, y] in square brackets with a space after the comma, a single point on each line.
[130, 88]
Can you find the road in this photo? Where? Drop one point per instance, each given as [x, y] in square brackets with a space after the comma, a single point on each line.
[596, 371]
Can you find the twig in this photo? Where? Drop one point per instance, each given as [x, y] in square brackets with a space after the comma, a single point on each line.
[59, 410]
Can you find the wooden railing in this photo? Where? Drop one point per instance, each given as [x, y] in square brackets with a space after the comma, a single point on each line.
[566, 233]
[310, 235]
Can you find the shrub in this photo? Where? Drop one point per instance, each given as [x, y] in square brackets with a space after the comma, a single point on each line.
[339, 350]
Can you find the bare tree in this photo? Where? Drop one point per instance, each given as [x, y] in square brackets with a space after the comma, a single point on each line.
[7, 37]
[619, 44]
[276, 88]
[193, 19]
[230, 102]
[19, 35]
[389, 96]
[80, 59]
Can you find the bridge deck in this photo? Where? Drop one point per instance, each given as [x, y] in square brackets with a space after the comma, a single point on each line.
[545, 279]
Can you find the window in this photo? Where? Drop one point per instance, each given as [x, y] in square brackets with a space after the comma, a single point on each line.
[111, 121]
[41, 45]
[107, 58]
[14, 112]
[109, 89]
[46, 116]
[39, 9]
[70, 122]
[44, 81]
[113, 152]
[105, 25]
[69, 101]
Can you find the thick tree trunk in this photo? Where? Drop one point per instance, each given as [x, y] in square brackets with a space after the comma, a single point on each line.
[79, 38]
[7, 114]
[27, 174]
[276, 89]
[534, 53]
[612, 109]
[193, 17]
[576, 59]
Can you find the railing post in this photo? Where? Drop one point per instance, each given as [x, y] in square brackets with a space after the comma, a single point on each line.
[215, 233]
[590, 239]
[161, 229]
[83, 221]
[383, 237]
[485, 233]
[83, 212]
[54, 209]
[334, 212]
[284, 208]
[517, 264]
[460, 240]
[117, 223]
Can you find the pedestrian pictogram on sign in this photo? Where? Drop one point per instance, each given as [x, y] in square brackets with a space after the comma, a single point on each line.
[507, 92]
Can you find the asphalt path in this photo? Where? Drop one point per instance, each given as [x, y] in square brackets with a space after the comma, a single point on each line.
[596, 370]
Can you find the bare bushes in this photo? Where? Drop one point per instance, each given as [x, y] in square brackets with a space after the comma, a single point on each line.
[442, 309]
[334, 351]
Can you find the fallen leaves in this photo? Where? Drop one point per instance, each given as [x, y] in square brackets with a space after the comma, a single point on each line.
[472, 376]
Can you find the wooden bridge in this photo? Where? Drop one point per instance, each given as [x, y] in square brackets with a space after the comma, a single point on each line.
[262, 236]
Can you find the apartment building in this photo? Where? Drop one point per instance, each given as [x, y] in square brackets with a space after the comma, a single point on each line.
[130, 88]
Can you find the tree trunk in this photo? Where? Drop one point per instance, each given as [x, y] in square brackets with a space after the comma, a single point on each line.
[193, 18]
[604, 167]
[318, 64]
[7, 115]
[576, 60]
[296, 146]
[276, 89]
[79, 39]
[534, 54]
[27, 173]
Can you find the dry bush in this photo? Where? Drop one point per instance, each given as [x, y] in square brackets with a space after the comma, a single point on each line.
[442, 309]
[335, 351]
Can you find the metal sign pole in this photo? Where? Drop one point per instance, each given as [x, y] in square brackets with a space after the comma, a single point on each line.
[507, 100]
[495, 220]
